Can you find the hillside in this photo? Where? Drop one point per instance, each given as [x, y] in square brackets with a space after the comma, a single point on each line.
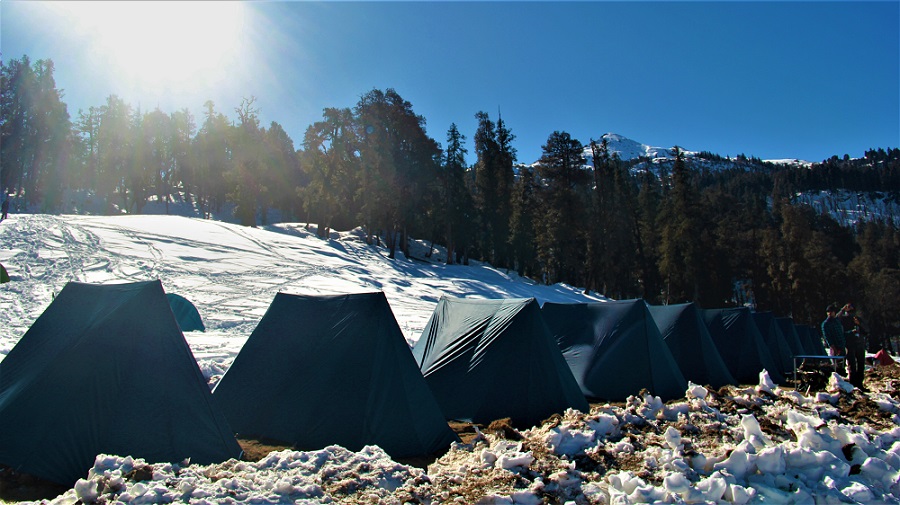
[741, 444]
[230, 272]
[846, 206]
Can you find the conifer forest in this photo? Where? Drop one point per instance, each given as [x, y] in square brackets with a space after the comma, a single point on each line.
[667, 231]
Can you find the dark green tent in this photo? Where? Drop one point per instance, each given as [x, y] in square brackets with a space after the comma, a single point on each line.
[614, 349]
[789, 332]
[491, 359]
[4, 276]
[811, 339]
[186, 313]
[775, 341]
[324, 370]
[685, 333]
[741, 345]
[105, 370]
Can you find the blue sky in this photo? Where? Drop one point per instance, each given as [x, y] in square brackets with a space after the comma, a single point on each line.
[769, 79]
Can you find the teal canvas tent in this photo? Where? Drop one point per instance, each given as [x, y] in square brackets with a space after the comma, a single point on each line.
[4, 276]
[741, 345]
[790, 334]
[332, 370]
[105, 370]
[683, 330]
[614, 349]
[186, 313]
[775, 341]
[811, 340]
[492, 359]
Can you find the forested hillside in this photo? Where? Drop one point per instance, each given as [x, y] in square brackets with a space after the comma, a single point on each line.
[715, 230]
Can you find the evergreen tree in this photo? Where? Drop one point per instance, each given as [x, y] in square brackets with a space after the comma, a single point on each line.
[681, 261]
[86, 130]
[284, 171]
[487, 184]
[599, 260]
[159, 155]
[248, 170]
[117, 152]
[522, 223]
[183, 156]
[649, 202]
[34, 131]
[506, 158]
[331, 163]
[560, 239]
[214, 157]
[613, 234]
[454, 195]
[399, 161]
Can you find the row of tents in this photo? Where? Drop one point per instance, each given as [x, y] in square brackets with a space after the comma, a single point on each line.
[106, 369]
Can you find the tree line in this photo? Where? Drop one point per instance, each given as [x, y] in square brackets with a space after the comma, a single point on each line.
[667, 232]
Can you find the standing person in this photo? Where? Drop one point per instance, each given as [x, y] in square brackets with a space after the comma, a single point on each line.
[4, 209]
[833, 332]
[856, 345]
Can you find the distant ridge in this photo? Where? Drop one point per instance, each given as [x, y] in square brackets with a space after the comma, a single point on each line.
[629, 149]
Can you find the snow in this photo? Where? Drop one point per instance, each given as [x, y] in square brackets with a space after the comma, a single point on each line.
[772, 445]
[230, 272]
[851, 207]
[629, 149]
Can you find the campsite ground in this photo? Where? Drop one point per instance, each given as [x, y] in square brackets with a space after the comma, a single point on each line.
[855, 409]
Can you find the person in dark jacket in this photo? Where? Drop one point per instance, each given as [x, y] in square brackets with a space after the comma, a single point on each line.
[4, 208]
[833, 333]
[856, 345]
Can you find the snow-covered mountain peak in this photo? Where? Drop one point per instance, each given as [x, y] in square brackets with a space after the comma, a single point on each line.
[629, 149]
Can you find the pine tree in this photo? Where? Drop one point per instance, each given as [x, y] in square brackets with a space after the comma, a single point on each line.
[184, 169]
[681, 260]
[248, 171]
[331, 164]
[649, 198]
[522, 223]
[560, 241]
[86, 130]
[284, 171]
[214, 148]
[158, 155]
[116, 146]
[487, 184]
[454, 196]
[34, 132]
[399, 162]
[506, 158]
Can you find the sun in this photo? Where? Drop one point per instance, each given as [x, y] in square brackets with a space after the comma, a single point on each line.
[161, 45]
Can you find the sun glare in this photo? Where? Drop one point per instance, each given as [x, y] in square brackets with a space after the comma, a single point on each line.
[161, 45]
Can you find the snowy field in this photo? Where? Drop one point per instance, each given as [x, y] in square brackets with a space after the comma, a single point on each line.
[230, 272]
[749, 444]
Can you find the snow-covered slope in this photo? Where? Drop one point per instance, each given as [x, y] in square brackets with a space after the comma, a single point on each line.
[709, 447]
[850, 207]
[629, 149]
[230, 272]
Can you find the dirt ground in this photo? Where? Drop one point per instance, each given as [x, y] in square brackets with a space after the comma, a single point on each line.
[853, 408]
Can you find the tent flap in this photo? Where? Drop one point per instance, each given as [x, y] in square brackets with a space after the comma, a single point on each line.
[491, 359]
[614, 349]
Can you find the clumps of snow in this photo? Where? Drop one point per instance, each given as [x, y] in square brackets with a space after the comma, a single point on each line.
[766, 383]
[330, 474]
[769, 447]
[836, 383]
